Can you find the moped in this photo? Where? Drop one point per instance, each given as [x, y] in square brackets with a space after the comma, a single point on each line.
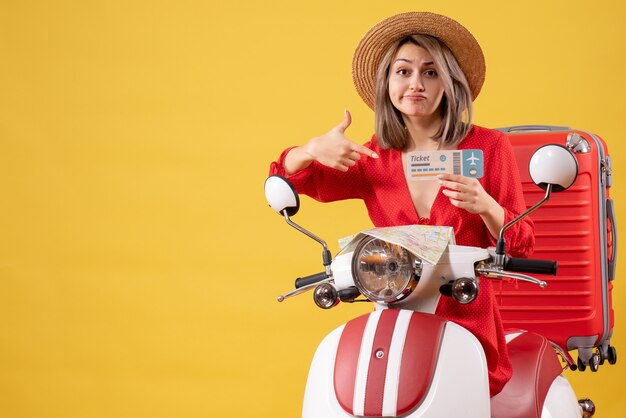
[402, 360]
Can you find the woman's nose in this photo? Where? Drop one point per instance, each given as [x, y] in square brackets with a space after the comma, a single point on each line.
[416, 83]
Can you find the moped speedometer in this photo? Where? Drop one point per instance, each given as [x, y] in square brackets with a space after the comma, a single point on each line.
[383, 272]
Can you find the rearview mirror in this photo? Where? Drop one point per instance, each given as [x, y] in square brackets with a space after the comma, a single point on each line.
[281, 195]
[553, 168]
[553, 165]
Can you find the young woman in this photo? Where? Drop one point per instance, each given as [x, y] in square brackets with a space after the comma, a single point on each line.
[420, 73]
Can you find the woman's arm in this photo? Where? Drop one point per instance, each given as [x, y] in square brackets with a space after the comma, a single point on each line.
[467, 193]
[505, 186]
[333, 149]
[500, 201]
[326, 167]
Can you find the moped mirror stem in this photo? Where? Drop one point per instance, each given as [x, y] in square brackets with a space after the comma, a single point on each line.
[326, 255]
[500, 257]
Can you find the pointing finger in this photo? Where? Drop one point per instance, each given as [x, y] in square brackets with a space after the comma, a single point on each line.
[364, 150]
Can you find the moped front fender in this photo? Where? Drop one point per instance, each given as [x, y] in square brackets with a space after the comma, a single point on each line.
[458, 386]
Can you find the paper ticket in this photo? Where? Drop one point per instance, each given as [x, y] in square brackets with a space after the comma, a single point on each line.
[427, 165]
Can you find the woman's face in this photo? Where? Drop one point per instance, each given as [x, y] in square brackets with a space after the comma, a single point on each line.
[415, 87]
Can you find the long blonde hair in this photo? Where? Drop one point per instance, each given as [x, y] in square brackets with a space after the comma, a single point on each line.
[456, 103]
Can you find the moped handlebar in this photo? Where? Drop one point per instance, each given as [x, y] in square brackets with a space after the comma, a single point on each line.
[528, 265]
[308, 280]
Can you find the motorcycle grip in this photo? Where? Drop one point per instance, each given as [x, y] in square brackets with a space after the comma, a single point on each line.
[307, 280]
[529, 265]
[349, 294]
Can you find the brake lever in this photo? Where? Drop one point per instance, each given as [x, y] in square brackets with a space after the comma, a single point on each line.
[502, 274]
[303, 289]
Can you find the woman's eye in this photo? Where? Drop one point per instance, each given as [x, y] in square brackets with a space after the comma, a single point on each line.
[402, 71]
[430, 73]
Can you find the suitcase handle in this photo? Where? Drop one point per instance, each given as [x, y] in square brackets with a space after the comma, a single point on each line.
[531, 128]
[610, 213]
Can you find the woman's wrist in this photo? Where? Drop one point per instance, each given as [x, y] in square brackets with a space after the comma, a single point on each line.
[493, 218]
[297, 159]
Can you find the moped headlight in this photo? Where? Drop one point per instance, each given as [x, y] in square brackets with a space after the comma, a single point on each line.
[383, 272]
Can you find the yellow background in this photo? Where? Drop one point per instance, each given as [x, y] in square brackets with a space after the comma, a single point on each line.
[139, 263]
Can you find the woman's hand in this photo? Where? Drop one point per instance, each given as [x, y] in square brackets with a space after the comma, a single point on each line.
[333, 149]
[468, 194]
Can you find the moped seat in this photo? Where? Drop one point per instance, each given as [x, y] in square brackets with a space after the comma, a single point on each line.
[535, 366]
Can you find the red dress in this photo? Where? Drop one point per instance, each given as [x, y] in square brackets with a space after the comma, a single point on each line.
[381, 184]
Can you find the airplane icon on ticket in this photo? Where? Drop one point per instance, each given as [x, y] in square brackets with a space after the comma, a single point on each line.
[472, 159]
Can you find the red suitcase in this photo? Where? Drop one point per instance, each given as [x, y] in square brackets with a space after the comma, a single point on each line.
[577, 228]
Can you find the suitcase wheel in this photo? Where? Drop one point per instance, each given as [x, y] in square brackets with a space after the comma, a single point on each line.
[594, 362]
[609, 353]
[612, 355]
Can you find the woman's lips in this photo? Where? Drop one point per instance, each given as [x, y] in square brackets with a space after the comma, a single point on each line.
[415, 97]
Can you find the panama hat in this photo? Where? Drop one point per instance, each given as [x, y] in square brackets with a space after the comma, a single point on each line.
[377, 41]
